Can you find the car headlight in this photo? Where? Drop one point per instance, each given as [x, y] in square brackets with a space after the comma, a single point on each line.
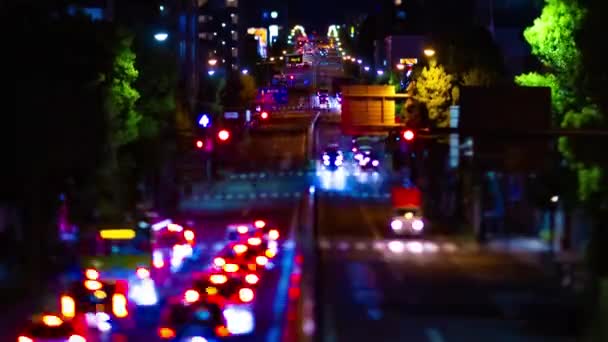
[417, 225]
[338, 162]
[326, 162]
[397, 225]
[375, 163]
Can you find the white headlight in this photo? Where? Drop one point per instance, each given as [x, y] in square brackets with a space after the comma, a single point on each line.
[375, 163]
[396, 224]
[417, 225]
[326, 162]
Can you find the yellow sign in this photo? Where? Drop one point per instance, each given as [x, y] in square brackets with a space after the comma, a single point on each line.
[117, 234]
[408, 61]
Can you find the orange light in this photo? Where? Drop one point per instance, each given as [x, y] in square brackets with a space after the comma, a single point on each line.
[231, 268]
[166, 333]
[246, 295]
[119, 305]
[143, 273]
[252, 279]
[218, 279]
[261, 260]
[174, 227]
[92, 285]
[51, 321]
[222, 331]
[24, 339]
[159, 263]
[76, 338]
[192, 296]
[239, 249]
[68, 307]
[254, 241]
[242, 229]
[219, 262]
[259, 224]
[264, 115]
[91, 274]
[189, 235]
[273, 234]
[270, 253]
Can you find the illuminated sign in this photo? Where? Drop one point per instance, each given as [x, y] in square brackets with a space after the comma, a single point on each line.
[261, 35]
[295, 59]
[117, 234]
[273, 33]
[408, 61]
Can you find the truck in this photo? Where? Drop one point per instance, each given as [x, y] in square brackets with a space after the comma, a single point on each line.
[407, 217]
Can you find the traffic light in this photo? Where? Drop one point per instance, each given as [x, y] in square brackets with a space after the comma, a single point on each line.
[199, 144]
[264, 115]
[408, 135]
[223, 135]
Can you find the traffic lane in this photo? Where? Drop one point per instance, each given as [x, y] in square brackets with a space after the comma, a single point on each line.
[373, 290]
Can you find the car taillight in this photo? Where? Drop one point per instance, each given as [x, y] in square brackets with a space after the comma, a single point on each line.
[222, 331]
[270, 253]
[76, 338]
[261, 260]
[273, 234]
[51, 321]
[219, 262]
[239, 248]
[119, 305]
[231, 268]
[189, 235]
[24, 339]
[172, 227]
[92, 285]
[259, 224]
[191, 296]
[254, 241]
[242, 229]
[166, 333]
[91, 274]
[159, 263]
[252, 279]
[246, 295]
[143, 273]
[218, 278]
[68, 307]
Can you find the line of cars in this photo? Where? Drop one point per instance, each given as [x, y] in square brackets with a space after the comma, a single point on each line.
[220, 299]
[120, 270]
[364, 157]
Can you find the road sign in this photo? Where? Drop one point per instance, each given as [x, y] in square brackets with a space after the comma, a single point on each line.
[231, 115]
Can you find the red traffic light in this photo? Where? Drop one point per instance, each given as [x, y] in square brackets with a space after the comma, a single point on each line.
[264, 115]
[223, 135]
[408, 135]
[200, 144]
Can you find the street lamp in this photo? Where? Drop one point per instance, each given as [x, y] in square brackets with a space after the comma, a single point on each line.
[245, 71]
[400, 67]
[161, 36]
[429, 52]
[212, 62]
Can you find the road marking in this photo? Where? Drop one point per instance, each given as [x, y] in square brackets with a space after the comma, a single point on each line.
[434, 335]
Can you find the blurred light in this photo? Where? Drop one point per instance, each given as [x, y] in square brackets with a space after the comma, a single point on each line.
[417, 225]
[429, 52]
[254, 241]
[189, 235]
[175, 227]
[211, 290]
[271, 253]
[396, 246]
[76, 338]
[157, 259]
[161, 36]
[204, 121]
[408, 215]
[211, 72]
[191, 296]
[162, 8]
[239, 249]
[212, 62]
[230, 268]
[160, 225]
[119, 305]
[415, 247]
[198, 339]
[219, 262]
[264, 115]
[223, 135]
[380, 72]
[166, 333]
[24, 339]
[311, 189]
[397, 225]
[366, 68]
[554, 198]
[375, 163]
[400, 66]
[242, 229]
[143, 292]
[143, 273]
[218, 279]
[51, 321]
[99, 294]
[92, 285]
[274, 14]
[104, 326]
[359, 61]
[223, 24]
[222, 331]
[246, 295]
[245, 71]
[431, 247]
[408, 135]
[261, 260]
[259, 224]
[117, 234]
[252, 279]
[91, 274]
[273, 234]
[326, 162]
[68, 306]
[199, 144]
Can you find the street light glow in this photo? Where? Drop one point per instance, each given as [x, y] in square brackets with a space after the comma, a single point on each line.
[161, 36]
[429, 52]
[211, 72]
[245, 71]
[400, 66]
[212, 62]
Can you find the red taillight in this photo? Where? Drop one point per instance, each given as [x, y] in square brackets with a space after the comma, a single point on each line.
[92, 285]
[231, 268]
[223, 135]
[408, 135]
[219, 262]
[51, 321]
[76, 338]
[222, 331]
[143, 273]
[239, 248]
[273, 234]
[259, 224]
[189, 235]
[261, 260]
[166, 333]
[264, 115]
[218, 278]
[254, 241]
[246, 295]
[252, 279]
[91, 274]
[24, 339]
[199, 144]
[192, 296]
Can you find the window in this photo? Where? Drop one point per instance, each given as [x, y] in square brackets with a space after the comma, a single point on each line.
[232, 3]
[235, 35]
[235, 18]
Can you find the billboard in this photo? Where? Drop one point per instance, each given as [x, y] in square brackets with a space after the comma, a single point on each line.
[366, 106]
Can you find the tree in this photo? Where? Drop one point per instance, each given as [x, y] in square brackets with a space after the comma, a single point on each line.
[237, 91]
[434, 89]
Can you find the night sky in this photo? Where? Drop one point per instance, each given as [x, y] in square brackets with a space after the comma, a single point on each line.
[319, 13]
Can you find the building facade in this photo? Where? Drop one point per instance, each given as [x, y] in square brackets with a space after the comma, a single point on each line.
[220, 30]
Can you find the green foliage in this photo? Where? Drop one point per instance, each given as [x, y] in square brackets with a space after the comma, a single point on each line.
[434, 89]
[552, 37]
[122, 96]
